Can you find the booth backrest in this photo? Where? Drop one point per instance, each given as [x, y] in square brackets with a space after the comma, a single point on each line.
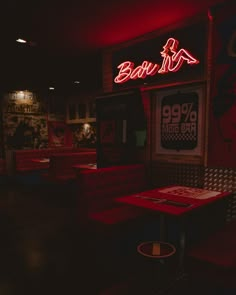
[62, 164]
[23, 158]
[99, 187]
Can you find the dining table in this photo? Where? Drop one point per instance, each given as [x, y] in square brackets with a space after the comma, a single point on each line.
[174, 200]
[85, 166]
[41, 160]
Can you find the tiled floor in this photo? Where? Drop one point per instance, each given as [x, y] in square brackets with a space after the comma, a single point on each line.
[44, 252]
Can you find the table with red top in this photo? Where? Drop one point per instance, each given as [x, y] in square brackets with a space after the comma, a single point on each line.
[176, 201]
[86, 166]
[41, 160]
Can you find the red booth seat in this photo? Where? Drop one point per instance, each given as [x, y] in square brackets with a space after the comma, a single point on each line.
[61, 165]
[23, 158]
[98, 189]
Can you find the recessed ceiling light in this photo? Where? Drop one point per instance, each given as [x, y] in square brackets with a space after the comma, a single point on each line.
[19, 40]
[51, 88]
[76, 82]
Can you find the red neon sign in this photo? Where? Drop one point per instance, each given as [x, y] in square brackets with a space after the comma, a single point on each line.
[172, 62]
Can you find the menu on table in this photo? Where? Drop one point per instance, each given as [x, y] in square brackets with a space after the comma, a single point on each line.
[190, 192]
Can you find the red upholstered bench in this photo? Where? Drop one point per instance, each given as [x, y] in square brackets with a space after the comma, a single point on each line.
[214, 259]
[23, 158]
[98, 189]
[61, 165]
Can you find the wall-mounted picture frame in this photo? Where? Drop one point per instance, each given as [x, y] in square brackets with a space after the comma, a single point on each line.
[84, 134]
[82, 110]
[56, 108]
[92, 109]
[179, 117]
[72, 111]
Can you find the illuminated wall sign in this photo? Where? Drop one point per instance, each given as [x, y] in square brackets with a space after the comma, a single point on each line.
[175, 57]
[24, 102]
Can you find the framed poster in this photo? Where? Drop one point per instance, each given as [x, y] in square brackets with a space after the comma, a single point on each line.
[56, 108]
[179, 121]
[72, 111]
[23, 102]
[25, 131]
[82, 110]
[92, 109]
[59, 134]
[84, 135]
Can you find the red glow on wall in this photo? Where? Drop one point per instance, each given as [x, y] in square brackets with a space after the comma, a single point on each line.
[173, 60]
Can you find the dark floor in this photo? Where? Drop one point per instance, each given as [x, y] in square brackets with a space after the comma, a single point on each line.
[43, 251]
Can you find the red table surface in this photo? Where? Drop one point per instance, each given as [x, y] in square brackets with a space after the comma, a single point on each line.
[85, 166]
[41, 160]
[165, 208]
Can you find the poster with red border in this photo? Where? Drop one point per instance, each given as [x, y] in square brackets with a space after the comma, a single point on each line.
[59, 134]
[222, 111]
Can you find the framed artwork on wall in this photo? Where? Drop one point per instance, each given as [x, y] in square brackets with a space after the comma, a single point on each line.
[72, 111]
[84, 135]
[179, 121]
[92, 109]
[59, 134]
[25, 131]
[82, 110]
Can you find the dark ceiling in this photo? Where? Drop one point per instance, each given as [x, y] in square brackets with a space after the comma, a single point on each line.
[66, 37]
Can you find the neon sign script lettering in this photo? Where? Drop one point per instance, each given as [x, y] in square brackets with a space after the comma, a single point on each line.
[173, 60]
